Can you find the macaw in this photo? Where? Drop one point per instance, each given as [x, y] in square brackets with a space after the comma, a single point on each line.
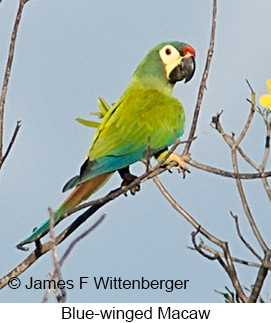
[146, 119]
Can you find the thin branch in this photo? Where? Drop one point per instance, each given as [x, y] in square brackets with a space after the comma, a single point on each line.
[186, 215]
[261, 168]
[233, 275]
[267, 188]
[203, 81]
[224, 173]
[11, 143]
[250, 117]
[233, 144]
[265, 159]
[80, 237]
[236, 143]
[245, 205]
[218, 126]
[262, 274]
[199, 248]
[8, 71]
[61, 294]
[53, 244]
[235, 217]
[248, 160]
[267, 146]
[202, 245]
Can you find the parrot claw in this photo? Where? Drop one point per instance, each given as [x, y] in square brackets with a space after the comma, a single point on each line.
[128, 178]
[134, 189]
[181, 165]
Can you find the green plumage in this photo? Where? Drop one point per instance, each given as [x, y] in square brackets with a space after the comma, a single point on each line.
[145, 120]
[146, 113]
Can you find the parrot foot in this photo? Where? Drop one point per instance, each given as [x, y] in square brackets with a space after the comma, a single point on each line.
[128, 178]
[181, 165]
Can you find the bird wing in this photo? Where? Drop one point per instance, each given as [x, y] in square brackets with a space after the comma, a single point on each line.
[143, 120]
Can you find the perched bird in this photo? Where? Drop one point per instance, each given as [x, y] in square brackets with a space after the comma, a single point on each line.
[145, 120]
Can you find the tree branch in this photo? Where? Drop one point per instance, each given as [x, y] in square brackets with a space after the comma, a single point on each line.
[6, 78]
[250, 117]
[11, 143]
[265, 159]
[199, 248]
[202, 245]
[234, 144]
[60, 294]
[224, 173]
[262, 274]
[245, 205]
[235, 217]
[203, 81]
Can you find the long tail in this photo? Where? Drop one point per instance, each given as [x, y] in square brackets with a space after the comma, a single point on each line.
[79, 194]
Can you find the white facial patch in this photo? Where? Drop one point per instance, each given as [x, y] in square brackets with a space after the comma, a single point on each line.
[170, 57]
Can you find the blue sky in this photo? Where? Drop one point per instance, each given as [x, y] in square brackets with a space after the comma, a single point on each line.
[69, 53]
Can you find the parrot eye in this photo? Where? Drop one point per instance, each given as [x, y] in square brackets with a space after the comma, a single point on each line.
[169, 54]
[168, 51]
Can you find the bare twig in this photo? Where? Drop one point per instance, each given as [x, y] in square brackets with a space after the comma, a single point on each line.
[186, 215]
[7, 76]
[265, 159]
[60, 293]
[262, 274]
[260, 168]
[250, 117]
[234, 144]
[246, 206]
[235, 217]
[267, 188]
[267, 146]
[53, 243]
[202, 245]
[199, 248]
[247, 159]
[203, 81]
[80, 237]
[11, 143]
[224, 173]
[230, 269]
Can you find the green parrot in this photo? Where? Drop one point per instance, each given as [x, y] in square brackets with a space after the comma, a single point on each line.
[145, 120]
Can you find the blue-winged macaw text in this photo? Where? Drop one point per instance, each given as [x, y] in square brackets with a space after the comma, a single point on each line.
[130, 315]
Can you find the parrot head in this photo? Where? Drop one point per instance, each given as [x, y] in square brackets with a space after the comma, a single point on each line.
[179, 62]
[166, 64]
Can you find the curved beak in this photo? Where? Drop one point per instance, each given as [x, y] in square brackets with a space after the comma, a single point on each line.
[184, 71]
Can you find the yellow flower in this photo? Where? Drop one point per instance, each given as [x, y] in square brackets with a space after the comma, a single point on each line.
[265, 100]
